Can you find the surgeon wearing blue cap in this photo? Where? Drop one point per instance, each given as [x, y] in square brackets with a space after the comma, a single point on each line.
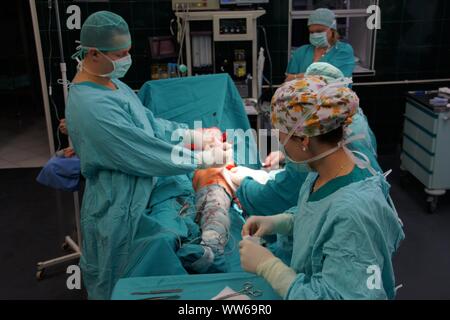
[324, 46]
[123, 148]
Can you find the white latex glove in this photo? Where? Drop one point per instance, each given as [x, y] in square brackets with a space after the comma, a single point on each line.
[215, 157]
[279, 275]
[253, 255]
[212, 136]
[273, 160]
[240, 173]
[200, 139]
[260, 226]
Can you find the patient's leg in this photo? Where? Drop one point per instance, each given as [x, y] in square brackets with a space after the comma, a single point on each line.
[213, 204]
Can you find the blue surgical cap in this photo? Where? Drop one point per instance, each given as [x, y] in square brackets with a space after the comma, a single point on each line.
[325, 70]
[105, 31]
[324, 17]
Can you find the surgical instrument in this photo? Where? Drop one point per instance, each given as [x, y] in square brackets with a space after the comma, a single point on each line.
[157, 292]
[247, 289]
[162, 298]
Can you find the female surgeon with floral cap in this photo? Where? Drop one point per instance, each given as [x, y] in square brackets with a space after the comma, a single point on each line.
[346, 229]
[324, 46]
[122, 148]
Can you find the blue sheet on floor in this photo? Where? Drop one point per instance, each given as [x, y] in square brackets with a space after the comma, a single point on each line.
[169, 222]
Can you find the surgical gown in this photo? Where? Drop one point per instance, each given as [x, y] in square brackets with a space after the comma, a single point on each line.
[281, 193]
[122, 148]
[344, 242]
[341, 56]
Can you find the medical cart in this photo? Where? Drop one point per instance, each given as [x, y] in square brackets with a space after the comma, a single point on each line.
[426, 144]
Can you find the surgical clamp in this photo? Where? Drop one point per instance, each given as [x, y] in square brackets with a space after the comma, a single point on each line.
[176, 297]
[247, 289]
[157, 292]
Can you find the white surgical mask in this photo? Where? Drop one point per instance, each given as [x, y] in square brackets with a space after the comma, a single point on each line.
[304, 167]
[299, 166]
[319, 39]
[120, 67]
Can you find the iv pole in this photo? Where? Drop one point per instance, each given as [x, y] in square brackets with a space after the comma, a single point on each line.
[68, 241]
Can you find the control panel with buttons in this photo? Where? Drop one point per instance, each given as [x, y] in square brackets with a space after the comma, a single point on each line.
[233, 26]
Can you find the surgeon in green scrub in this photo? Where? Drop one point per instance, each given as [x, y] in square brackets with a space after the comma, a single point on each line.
[345, 229]
[324, 47]
[274, 197]
[123, 148]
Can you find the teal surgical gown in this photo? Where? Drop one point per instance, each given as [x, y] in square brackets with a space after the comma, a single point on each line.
[341, 56]
[281, 193]
[344, 240]
[122, 148]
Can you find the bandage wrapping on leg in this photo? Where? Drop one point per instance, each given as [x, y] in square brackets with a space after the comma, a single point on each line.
[283, 223]
[279, 275]
[213, 204]
[202, 265]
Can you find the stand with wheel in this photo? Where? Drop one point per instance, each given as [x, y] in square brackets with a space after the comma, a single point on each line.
[69, 243]
[426, 140]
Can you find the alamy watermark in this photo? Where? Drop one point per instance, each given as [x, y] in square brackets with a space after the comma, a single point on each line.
[374, 279]
[73, 281]
[243, 142]
[73, 21]
[374, 20]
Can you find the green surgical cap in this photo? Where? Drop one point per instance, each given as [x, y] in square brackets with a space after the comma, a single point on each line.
[324, 17]
[325, 70]
[105, 31]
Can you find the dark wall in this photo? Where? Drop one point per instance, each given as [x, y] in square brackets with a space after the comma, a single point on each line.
[19, 90]
[413, 44]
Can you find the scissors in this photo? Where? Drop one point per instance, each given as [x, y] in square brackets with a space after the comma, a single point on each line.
[248, 289]
[174, 297]
[157, 292]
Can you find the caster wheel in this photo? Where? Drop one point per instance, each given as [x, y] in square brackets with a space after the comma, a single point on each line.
[432, 204]
[40, 274]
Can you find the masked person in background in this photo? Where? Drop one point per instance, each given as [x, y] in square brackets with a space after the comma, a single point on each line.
[324, 47]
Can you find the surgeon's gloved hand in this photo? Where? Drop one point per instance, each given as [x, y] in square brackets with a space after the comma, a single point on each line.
[215, 156]
[238, 174]
[279, 275]
[253, 255]
[260, 226]
[200, 139]
[273, 160]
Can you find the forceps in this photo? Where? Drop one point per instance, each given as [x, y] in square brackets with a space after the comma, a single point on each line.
[175, 297]
[248, 289]
[157, 292]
